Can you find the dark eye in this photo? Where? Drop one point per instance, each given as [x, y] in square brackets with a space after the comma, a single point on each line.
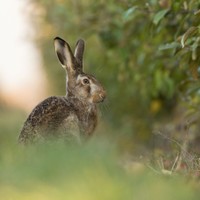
[86, 81]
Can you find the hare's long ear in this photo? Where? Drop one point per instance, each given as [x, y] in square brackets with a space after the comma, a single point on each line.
[64, 54]
[79, 50]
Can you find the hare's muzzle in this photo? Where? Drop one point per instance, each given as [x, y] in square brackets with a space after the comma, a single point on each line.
[102, 96]
[98, 97]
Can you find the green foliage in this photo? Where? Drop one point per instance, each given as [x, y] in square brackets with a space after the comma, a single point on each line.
[95, 170]
[146, 53]
[91, 171]
[140, 50]
[10, 124]
[159, 15]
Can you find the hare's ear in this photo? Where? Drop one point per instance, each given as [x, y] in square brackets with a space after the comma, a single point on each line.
[64, 53]
[79, 50]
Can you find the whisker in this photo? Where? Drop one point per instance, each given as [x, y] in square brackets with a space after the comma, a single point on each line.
[104, 107]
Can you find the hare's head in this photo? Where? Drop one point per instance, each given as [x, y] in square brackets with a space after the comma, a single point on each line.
[79, 84]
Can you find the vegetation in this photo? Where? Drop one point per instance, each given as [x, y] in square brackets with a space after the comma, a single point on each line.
[96, 170]
[146, 53]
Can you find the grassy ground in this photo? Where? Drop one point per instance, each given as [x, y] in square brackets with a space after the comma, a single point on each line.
[93, 171]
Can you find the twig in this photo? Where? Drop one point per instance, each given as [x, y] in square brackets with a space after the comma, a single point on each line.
[150, 167]
[175, 162]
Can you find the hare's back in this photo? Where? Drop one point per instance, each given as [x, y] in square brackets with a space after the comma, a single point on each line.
[51, 111]
[47, 118]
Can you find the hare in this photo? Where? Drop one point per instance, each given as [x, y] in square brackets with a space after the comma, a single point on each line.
[70, 117]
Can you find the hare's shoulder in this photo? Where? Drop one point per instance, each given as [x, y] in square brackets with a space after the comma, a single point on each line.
[52, 106]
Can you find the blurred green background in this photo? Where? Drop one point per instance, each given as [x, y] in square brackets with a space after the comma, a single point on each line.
[146, 54]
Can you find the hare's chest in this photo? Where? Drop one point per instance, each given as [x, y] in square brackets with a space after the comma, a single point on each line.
[81, 123]
[70, 128]
[71, 122]
[88, 122]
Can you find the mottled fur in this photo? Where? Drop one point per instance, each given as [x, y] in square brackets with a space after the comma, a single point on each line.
[73, 116]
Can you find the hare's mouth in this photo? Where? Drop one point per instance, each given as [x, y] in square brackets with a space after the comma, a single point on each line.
[100, 101]
[99, 98]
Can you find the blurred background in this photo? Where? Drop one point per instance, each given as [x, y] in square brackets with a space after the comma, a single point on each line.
[21, 72]
[146, 53]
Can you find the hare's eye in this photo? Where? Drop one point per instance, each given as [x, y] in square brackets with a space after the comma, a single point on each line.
[86, 81]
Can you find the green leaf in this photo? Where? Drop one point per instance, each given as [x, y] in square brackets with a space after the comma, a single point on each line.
[194, 48]
[190, 32]
[128, 13]
[159, 15]
[172, 45]
[194, 69]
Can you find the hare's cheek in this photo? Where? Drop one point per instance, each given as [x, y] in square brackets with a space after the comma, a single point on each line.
[88, 90]
[84, 92]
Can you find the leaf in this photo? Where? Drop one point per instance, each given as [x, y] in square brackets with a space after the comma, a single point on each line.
[194, 69]
[127, 14]
[197, 12]
[159, 15]
[172, 45]
[190, 32]
[194, 48]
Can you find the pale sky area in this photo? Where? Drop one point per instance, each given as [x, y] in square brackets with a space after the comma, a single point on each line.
[22, 81]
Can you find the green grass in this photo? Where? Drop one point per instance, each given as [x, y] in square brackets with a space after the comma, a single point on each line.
[94, 171]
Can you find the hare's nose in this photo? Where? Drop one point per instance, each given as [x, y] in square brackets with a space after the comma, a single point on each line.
[102, 95]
